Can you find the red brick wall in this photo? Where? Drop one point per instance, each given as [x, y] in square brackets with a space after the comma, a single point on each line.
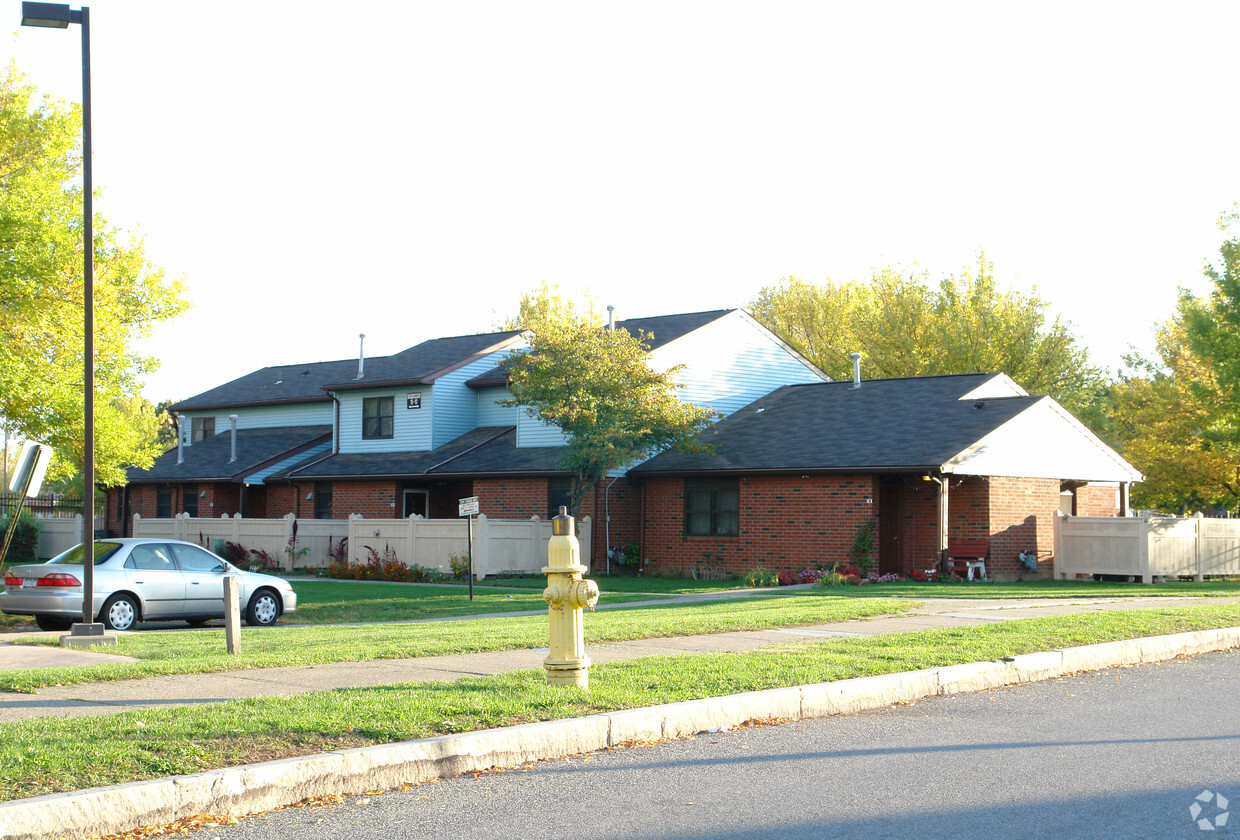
[372, 499]
[1097, 500]
[1022, 518]
[786, 523]
[281, 500]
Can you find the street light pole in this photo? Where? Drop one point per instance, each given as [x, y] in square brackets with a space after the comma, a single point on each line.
[59, 16]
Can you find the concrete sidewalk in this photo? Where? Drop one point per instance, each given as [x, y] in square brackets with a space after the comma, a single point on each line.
[195, 689]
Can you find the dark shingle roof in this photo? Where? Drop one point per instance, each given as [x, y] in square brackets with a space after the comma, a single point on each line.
[660, 330]
[207, 460]
[886, 424]
[424, 362]
[273, 385]
[309, 382]
[489, 450]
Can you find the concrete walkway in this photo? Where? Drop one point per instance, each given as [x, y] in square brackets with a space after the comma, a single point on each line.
[194, 689]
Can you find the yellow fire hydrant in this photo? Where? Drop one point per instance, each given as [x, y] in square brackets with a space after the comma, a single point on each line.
[567, 595]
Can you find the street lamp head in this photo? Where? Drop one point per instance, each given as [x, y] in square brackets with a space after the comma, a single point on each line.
[47, 15]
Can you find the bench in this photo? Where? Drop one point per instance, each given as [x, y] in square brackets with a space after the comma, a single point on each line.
[969, 554]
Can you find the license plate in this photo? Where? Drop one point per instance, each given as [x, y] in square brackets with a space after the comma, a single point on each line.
[29, 583]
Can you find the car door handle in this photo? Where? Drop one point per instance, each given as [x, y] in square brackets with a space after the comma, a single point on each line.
[193, 583]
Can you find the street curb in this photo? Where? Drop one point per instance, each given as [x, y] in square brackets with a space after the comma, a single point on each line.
[261, 787]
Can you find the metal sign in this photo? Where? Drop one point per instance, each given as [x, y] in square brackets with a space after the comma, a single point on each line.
[413, 400]
[468, 507]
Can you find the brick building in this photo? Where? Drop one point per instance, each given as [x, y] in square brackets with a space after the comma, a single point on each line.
[799, 465]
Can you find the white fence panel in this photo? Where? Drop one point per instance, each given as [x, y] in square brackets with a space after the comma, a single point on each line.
[500, 546]
[57, 534]
[1150, 546]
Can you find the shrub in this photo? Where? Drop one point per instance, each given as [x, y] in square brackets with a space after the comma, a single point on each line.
[25, 545]
[338, 552]
[460, 565]
[862, 552]
[266, 558]
[831, 579]
[235, 554]
[787, 578]
[761, 577]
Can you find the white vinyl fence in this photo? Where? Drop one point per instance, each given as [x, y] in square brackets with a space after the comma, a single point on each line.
[499, 545]
[60, 533]
[1149, 546]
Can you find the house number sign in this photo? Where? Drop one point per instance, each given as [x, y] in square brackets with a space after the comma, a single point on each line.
[413, 400]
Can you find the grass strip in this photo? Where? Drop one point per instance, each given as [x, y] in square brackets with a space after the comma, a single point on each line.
[204, 651]
[623, 583]
[1043, 589]
[47, 755]
[329, 602]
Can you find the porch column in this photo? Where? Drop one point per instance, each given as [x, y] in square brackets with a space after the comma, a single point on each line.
[942, 522]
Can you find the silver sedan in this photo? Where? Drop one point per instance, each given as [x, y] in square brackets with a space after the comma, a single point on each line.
[141, 580]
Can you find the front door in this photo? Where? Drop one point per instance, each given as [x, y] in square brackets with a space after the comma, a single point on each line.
[890, 526]
[417, 501]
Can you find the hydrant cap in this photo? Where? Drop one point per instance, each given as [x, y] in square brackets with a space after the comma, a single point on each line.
[562, 525]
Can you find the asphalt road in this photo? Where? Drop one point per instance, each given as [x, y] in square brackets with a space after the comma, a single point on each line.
[1122, 753]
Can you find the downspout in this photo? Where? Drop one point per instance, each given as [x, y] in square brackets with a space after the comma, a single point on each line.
[180, 442]
[335, 422]
[232, 418]
[942, 482]
[607, 521]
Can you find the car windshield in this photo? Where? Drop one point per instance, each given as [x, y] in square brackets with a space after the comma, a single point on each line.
[73, 557]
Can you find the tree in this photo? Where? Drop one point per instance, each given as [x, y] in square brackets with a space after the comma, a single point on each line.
[1178, 416]
[41, 336]
[904, 326]
[597, 385]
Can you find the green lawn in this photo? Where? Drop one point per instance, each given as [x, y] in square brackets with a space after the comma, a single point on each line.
[340, 602]
[624, 583]
[204, 651]
[44, 755]
[1041, 589]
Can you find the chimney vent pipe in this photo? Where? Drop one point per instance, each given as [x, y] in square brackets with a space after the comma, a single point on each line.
[232, 418]
[856, 357]
[361, 355]
[611, 317]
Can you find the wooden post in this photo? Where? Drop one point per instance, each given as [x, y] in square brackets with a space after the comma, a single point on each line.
[232, 613]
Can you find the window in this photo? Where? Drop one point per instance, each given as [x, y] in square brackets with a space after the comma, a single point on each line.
[191, 558]
[163, 503]
[712, 508]
[377, 418]
[202, 428]
[558, 491]
[322, 500]
[149, 558]
[189, 499]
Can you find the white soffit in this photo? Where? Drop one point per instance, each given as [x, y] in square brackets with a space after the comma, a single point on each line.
[996, 387]
[1044, 441]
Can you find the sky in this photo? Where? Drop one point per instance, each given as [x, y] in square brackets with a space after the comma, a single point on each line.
[409, 173]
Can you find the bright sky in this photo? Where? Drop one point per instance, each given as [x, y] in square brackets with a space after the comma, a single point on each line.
[409, 173]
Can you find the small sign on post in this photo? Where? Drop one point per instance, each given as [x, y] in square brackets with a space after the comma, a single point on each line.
[468, 507]
[232, 613]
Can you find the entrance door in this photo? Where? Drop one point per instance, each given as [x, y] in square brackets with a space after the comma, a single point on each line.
[417, 501]
[890, 526]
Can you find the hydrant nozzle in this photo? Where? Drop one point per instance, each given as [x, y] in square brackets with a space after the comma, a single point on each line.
[567, 594]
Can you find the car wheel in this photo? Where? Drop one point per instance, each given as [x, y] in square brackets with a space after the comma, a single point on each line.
[119, 613]
[53, 622]
[263, 610]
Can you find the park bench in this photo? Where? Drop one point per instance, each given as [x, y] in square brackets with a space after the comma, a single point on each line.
[968, 556]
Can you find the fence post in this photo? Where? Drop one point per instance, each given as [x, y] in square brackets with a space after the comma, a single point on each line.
[1144, 548]
[1197, 523]
[236, 529]
[136, 518]
[482, 548]
[1057, 547]
[411, 537]
[81, 533]
[353, 526]
[537, 550]
[587, 543]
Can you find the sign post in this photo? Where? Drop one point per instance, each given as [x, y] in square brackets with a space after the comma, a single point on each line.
[468, 507]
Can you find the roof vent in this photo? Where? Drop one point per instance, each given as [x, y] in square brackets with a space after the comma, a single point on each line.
[856, 357]
[361, 355]
[279, 376]
[611, 317]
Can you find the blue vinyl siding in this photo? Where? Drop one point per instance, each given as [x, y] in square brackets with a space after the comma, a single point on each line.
[262, 417]
[456, 406]
[490, 414]
[534, 431]
[411, 428]
[731, 362]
